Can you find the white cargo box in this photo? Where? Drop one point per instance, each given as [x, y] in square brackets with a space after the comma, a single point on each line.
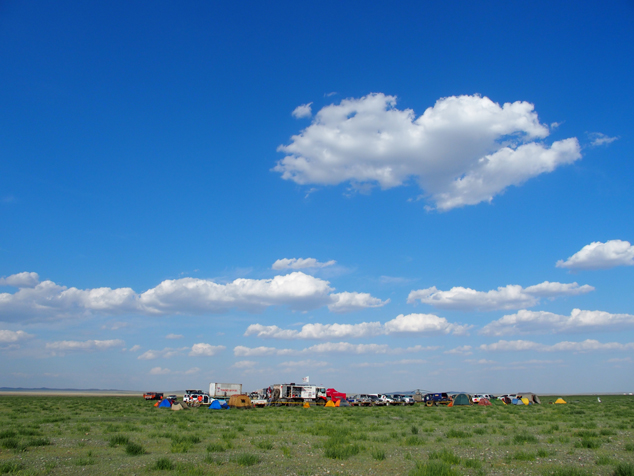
[224, 390]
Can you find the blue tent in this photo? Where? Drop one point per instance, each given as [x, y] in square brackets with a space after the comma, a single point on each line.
[165, 404]
[225, 405]
[215, 405]
[517, 401]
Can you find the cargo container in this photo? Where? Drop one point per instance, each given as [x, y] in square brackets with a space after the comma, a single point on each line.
[224, 390]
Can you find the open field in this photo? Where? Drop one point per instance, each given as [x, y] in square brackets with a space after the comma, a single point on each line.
[127, 435]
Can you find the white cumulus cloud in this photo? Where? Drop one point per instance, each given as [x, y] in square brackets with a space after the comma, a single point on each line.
[21, 280]
[349, 302]
[402, 324]
[329, 347]
[462, 350]
[9, 337]
[462, 151]
[599, 138]
[303, 111]
[85, 346]
[298, 291]
[512, 296]
[300, 263]
[599, 255]
[205, 350]
[532, 322]
[588, 345]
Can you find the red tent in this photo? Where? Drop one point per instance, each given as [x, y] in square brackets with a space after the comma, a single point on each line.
[484, 402]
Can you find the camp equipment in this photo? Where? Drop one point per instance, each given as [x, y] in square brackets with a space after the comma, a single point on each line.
[240, 401]
[484, 402]
[165, 403]
[461, 399]
[560, 400]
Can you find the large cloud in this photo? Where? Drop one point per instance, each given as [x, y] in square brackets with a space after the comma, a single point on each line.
[512, 296]
[402, 324]
[599, 255]
[531, 322]
[296, 290]
[462, 151]
[588, 345]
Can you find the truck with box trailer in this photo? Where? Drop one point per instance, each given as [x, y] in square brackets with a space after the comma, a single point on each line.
[224, 391]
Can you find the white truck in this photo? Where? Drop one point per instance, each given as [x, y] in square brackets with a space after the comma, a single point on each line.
[224, 391]
[284, 394]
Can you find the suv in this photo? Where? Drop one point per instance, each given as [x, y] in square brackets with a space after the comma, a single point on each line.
[436, 399]
[403, 399]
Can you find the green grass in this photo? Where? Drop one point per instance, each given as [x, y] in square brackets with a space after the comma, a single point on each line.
[624, 469]
[134, 449]
[39, 437]
[433, 468]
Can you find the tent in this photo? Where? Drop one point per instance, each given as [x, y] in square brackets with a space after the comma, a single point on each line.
[507, 400]
[337, 403]
[224, 405]
[330, 404]
[517, 401]
[525, 401]
[344, 403]
[165, 404]
[306, 405]
[157, 403]
[461, 399]
[485, 402]
[560, 400]
[532, 398]
[215, 405]
[176, 407]
[240, 401]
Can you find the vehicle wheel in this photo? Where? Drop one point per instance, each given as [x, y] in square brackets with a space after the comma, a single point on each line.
[429, 404]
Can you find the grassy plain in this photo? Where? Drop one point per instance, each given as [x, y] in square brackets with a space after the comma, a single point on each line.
[42, 435]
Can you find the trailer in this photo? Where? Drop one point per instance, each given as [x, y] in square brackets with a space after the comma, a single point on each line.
[224, 391]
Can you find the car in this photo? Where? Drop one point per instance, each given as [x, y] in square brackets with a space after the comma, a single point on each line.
[152, 396]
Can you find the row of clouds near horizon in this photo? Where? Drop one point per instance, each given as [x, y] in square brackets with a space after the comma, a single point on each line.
[297, 290]
[45, 301]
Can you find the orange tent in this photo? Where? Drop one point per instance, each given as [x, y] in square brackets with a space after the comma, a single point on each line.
[484, 402]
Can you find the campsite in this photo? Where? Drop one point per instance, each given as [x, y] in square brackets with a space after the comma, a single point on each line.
[55, 435]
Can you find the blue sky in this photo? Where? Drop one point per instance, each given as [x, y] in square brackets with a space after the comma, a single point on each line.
[379, 196]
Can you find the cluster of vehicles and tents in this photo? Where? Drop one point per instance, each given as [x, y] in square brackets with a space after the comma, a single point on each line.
[230, 395]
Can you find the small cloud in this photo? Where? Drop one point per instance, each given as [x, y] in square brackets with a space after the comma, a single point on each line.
[8, 337]
[555, 125]
[244, 364]
[174, 336]
[21, 280]
[160, 371]
[394, 280]
[598, 255]
[462, 350]
[205, 350]
[598, 139]
[113, 326]
[135, 348]
[327, 95]
[302, 111]
[193, 370]
[300, 263]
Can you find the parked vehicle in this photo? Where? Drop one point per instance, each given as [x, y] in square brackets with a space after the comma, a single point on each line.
[196, 396]
[153, 396]
[289, 393]
[436, 399]
[334, 395]
[400, 399]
